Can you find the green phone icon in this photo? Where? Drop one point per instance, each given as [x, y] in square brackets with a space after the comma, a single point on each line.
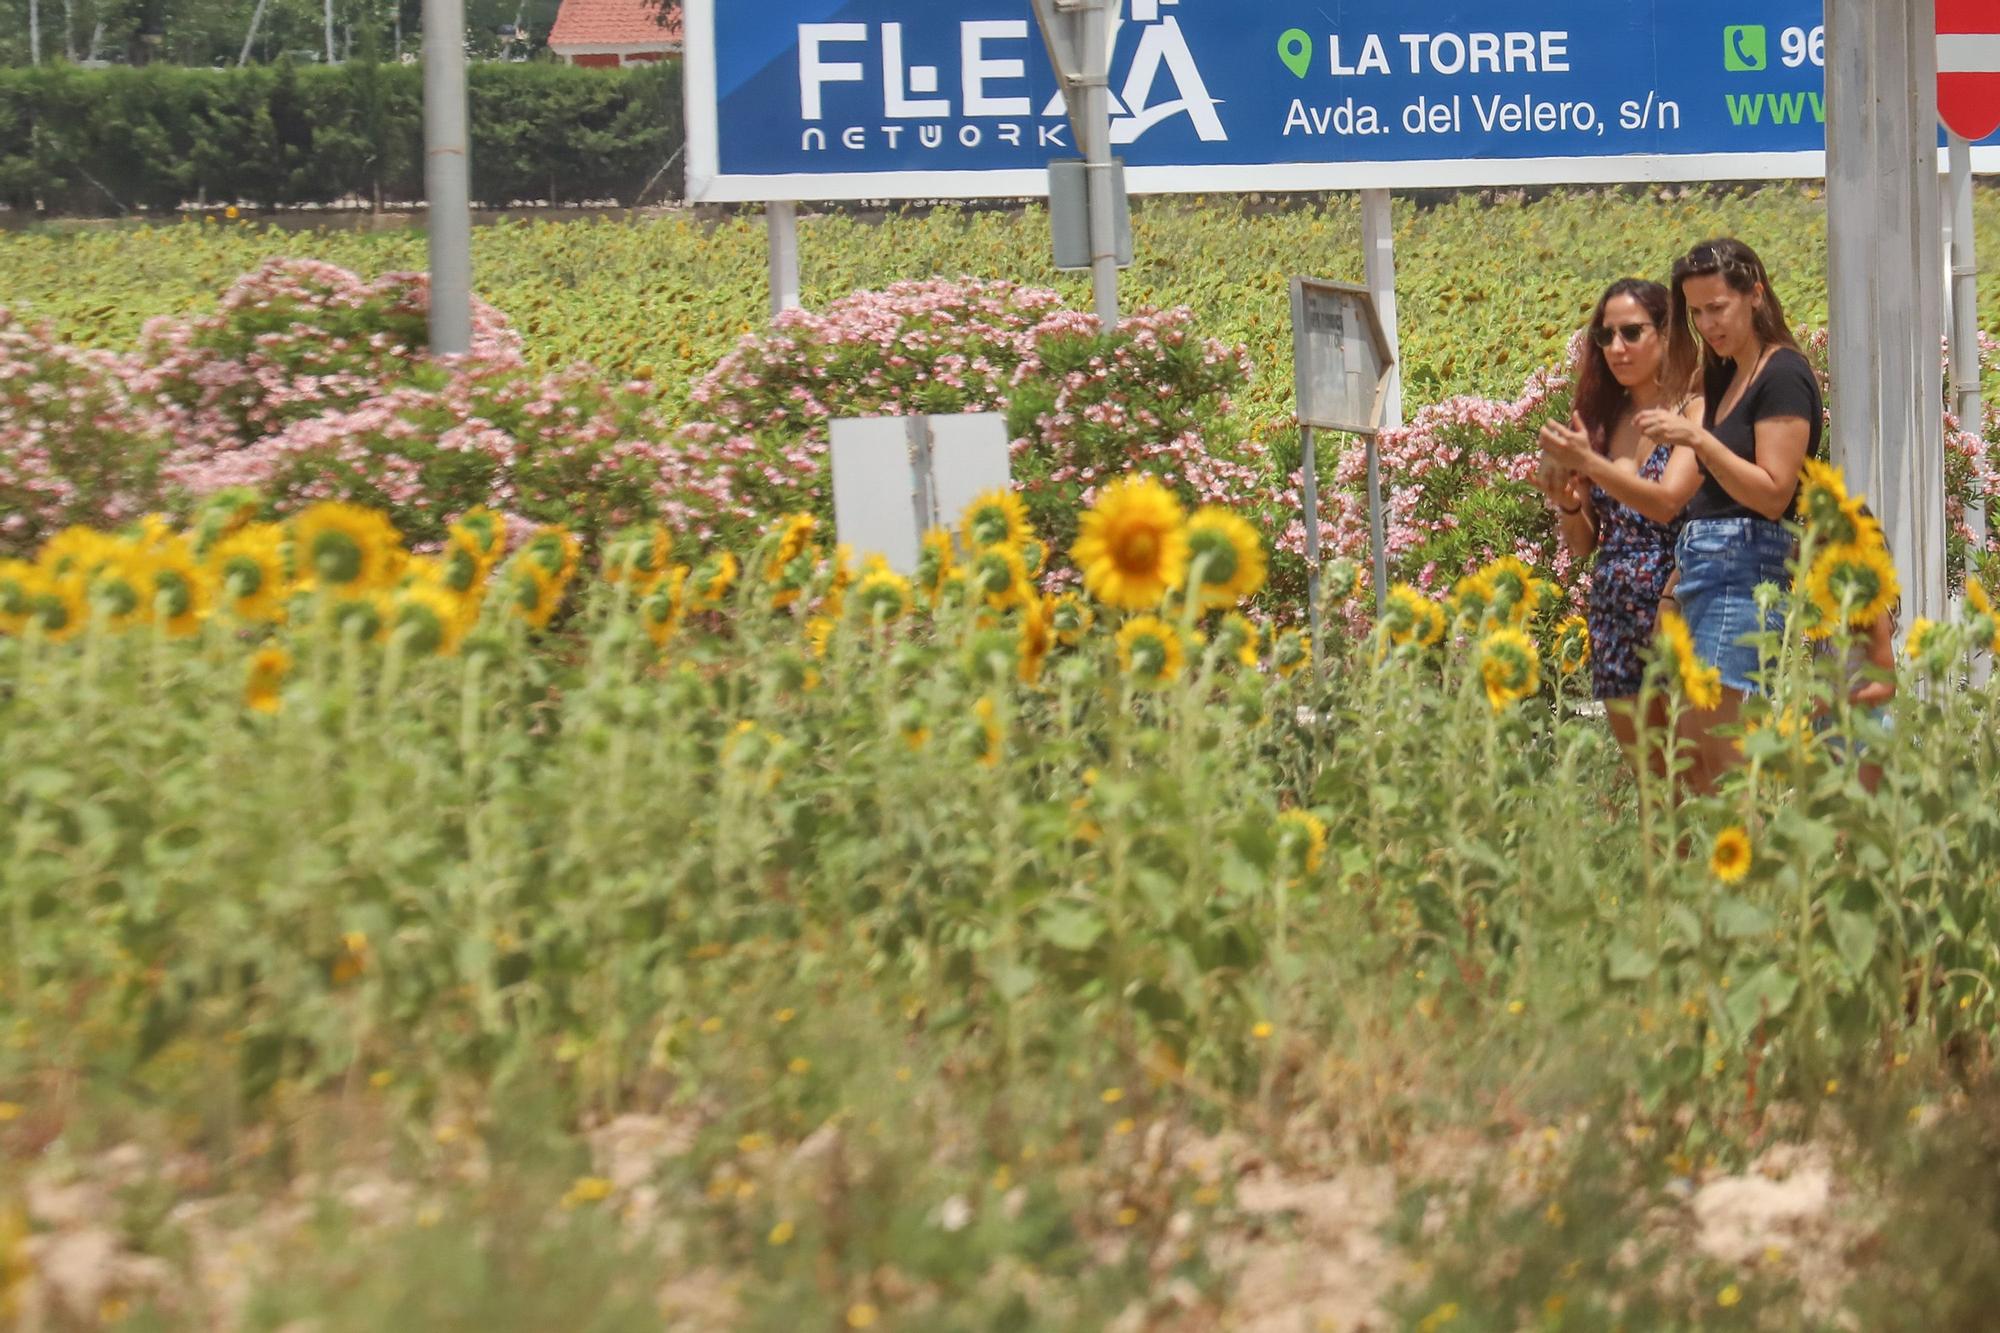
[1745, 48]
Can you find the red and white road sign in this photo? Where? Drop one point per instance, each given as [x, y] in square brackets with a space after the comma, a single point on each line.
[1968, 44]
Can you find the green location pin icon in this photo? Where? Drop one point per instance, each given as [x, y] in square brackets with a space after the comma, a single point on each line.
[1295, 48]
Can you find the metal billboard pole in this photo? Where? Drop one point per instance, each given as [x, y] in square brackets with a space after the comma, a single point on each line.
[1885, 256]
[1078, 36]
[1967, 403]
[447, 177]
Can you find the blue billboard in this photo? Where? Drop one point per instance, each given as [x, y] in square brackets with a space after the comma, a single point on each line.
[823, 99]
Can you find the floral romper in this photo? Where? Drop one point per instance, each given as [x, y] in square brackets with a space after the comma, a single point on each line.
[1635, 557]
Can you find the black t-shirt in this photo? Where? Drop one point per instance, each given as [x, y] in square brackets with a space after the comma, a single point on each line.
[1785, 387]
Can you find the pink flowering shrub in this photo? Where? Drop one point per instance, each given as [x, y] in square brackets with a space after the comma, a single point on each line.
[74, 445]
[298, 338]
[1082, 405]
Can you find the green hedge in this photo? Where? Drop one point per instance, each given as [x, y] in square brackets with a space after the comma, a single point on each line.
[109, 141]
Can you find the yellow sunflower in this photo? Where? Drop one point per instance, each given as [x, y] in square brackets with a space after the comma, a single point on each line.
[1924, 636]
[120, 586]
[882, 595]
[1290, 653]
[1132, 545]
[1984, 625]
[991, 741]
[364, 615]
[1001, 577]
[17, 591]
[531, 591]
[1516, 592]
[556, 549]
[1730, 859]
[1150, 651]
[1470, 597]
[1229, 554]
[1072, 619]
[1700, 682]
[57, 606]
[709, 584]
[181, 591]
[936, 560]
[997, 518]
[345, 548]
[1409, 617]
[264, 677]
[1834, 516]
[1509, 667]
[1852, 579]
[660, 608]
[248, 567]
[819, 634]
[430, 619]
[638, 555]
[484, 533]
[1572, 645]
[74, 550]
[1302, 840]
[1038, 636]
[1236, 639]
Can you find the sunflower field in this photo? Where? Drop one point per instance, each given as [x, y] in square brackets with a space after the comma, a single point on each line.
[477, 852]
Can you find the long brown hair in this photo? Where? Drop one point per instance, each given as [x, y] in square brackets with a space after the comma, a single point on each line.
[1739, 267]
[1600, 398]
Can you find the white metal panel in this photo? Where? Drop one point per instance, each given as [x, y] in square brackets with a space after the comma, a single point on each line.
[875, 489]
[968, 458]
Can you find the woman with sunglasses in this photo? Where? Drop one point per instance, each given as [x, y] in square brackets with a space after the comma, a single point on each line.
[1761, 419]
[1618, 493]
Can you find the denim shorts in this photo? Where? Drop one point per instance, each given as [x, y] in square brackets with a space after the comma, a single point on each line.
[1721, 562]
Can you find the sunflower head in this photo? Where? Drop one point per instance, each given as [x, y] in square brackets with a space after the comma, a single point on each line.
[996, 518]
[992, 655]
[120, 586]
[362, 615]
[17, 591]
[57, 607]
[429, 619]
[882, 595]
[1290, 653]
[711, 581]
[935, 560]
[1850, 584]
[660, 608]
[556, 550]
[1071, 618]
[1150, 651]
[1038, 636]
[1227, 556]
[222, 514]
[1698, 681]
[638, 555]
[345, 548]
[1132, 544]
[989, 741]
[182, 593]
[264, 676]
[1470, 597]
[1301, 841]
[74, 550]
[1409, 617]
[1833, 516]
[485, 532]
[1516, 592]
[1729, 860]
[1236, 639]
[1000, 576]
[1930, 646]
[248, 569]
[1338, 579]
[1509, 667]
[530, 592]
[1572, 645]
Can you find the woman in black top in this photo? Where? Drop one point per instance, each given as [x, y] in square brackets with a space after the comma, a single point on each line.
[1760, 421]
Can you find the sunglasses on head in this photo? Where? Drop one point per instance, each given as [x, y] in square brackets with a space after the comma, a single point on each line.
[1603, 334]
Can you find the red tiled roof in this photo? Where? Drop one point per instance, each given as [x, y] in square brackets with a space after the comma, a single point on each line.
[615, 23]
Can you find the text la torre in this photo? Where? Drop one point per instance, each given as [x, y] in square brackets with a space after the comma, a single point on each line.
[993, 81]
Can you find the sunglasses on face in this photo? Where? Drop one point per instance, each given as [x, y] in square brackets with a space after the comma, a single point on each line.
[1630, 334]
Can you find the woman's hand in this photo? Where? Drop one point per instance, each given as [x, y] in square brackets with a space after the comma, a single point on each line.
[1666, 427]
[1568, 447]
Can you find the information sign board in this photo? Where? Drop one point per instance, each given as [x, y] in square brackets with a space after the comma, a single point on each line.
[825, 99]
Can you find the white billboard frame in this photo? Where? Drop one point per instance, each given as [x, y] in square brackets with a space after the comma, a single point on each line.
[707, 185]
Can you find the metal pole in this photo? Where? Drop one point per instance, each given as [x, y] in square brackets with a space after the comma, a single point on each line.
[1966, 399]
[329, 32]
[1097, 160]
[447, 177]
[1885, 303]
[1309, 500]
[1377, 531]
[1378, 262]
[34, 32]
[781, 227]
[250, 34]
